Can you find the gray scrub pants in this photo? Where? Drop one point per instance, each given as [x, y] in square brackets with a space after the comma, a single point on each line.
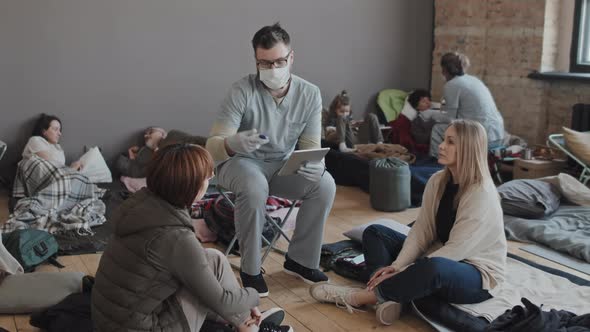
[195, 311]
[252, 180]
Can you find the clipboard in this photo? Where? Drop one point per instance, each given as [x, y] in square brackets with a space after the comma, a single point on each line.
[300, 157]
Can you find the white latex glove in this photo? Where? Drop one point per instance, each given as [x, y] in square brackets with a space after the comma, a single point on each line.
[312, 171]
[246, 141]
[343, 148]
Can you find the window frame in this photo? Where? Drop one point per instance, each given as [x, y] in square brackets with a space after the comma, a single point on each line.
[580, 41]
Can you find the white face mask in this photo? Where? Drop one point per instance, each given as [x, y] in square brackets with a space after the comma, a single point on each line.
[275, 78]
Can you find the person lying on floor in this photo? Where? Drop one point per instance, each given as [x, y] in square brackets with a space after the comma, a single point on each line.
[423, 117]
[412, 127]
[457, 248]
[338, 128]
[134, 164]
[154, 274]
[44, 142]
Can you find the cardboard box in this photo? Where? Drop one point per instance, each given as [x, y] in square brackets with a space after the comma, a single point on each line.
[534, 169]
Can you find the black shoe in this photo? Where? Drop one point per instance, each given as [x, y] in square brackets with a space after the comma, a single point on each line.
[310, 276]
[273, 316]
[87, 284]
[270, 327]
[257, 282]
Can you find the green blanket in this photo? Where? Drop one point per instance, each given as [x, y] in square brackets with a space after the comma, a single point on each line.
[391, 102]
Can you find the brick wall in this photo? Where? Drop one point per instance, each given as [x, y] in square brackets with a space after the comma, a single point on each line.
[506, 40]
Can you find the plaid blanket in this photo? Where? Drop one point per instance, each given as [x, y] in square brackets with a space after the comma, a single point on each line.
[54, 199]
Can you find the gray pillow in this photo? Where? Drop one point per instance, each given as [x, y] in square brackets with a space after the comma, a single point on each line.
[29, 292]
[356, 233]
[530, 199]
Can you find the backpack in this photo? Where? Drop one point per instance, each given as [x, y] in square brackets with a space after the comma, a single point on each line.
[219, 217]
[336, 257]
[31, 247]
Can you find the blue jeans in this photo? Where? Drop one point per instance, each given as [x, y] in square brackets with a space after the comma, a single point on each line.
[455, 282]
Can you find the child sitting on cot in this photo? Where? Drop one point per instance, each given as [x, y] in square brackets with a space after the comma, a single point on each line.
[339, 128]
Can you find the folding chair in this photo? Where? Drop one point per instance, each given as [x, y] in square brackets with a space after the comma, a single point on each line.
[495, 162]
[276, 225]
[558, 141]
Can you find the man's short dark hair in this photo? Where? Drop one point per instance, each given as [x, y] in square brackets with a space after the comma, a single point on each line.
[43, 123]
[451, 62]
[416, 95]
[269, 36]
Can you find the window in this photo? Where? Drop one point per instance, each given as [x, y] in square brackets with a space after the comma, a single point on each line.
[580, 52]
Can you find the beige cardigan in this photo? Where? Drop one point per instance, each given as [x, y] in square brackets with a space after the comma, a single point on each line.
[477, 237]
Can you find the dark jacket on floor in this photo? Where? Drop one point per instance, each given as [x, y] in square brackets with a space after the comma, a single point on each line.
[153, 254]
[532, 318]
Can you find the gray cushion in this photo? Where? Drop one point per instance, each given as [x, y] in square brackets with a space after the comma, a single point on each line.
[531, 199]
[356, 233]
[29, 292]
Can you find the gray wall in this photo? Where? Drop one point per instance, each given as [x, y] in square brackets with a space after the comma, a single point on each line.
[109, 68]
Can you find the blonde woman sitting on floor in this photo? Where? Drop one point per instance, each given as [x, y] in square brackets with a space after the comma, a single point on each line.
[456, 250]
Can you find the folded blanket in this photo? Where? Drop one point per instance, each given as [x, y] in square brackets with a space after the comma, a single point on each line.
[54, 199]
[378, 151]
[567, 230]
[540, 287]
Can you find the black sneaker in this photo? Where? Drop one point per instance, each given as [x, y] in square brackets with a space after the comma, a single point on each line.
[310, 276]
[273, 315]
[87, 284]
[257, 282]
[270, 327]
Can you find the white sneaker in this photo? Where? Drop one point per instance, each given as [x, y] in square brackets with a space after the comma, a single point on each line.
[327, 293]
[388, 312]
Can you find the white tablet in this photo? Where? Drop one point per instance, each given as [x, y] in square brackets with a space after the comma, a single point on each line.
[300, 157]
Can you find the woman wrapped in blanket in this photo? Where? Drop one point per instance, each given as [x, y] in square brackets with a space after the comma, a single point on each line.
[456, 250]
[45, 142]
[155, 275]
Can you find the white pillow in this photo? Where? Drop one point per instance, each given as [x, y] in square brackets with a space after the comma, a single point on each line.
[570, 188]
[356, 233]
[94, 167]
[578, 143]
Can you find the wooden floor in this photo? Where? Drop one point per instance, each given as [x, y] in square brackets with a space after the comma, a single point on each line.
[351, 208]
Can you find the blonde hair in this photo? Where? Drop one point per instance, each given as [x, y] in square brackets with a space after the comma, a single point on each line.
[472, 158]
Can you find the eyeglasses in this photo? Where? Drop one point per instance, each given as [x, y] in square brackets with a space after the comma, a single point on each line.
[278, 63]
